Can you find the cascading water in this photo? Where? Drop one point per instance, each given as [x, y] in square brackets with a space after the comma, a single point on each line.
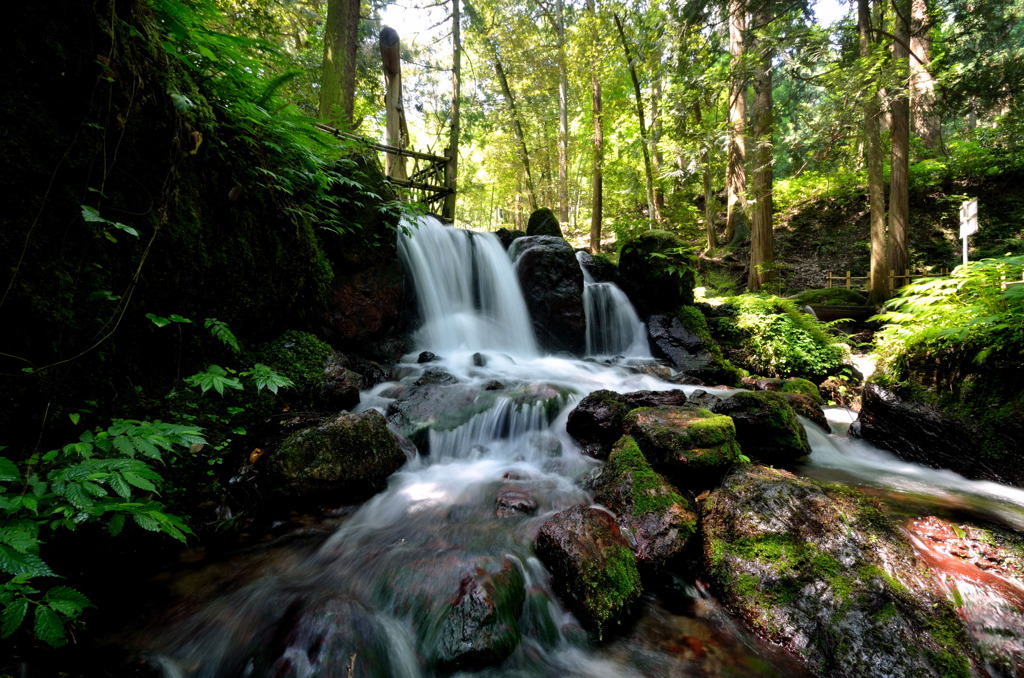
[375, 597]
[613, 327]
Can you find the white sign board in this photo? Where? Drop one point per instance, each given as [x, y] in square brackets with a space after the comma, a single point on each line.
[969, 218]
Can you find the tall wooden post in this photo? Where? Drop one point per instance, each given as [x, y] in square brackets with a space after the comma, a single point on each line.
[397, 130]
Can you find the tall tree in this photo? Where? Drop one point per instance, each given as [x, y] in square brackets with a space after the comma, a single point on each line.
[923, 114]
[736, 169]
[563, 115]
[761, 233]
[878, 277]
[338, 72]
[452, 168]
[597, 172]
[899, 173]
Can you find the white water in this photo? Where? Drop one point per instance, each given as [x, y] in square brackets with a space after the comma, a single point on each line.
[437, 516]
[613, 327]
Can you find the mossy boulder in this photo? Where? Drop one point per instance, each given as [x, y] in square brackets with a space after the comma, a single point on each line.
[803, 386]
[552, 285]
[543, 222]
[437, 402]
[689, 445]
[767, 428]
[657, 271]
[647, 507]
[344, 460]
[596, 423]
[822, 571]
[805, 406]
[592, 567]
[321, 377]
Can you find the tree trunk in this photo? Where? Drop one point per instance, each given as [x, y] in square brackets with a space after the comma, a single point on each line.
[899, 184]
[656, 159]
[709, 196]
[736, 170]
[927, 125]
[761, 237]
[396, 129]
[338, 72]
[641, 118]
[597, 185]
[452, 168]
[878, 277]
[563, 117]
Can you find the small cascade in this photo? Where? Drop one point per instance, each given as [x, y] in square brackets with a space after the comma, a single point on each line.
[613, 327]
[467, 291]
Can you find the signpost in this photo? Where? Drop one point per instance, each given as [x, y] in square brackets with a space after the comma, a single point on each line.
[968, 222]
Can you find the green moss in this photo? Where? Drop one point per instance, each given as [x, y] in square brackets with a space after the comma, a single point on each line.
[300, 356]
[803, 386]
[651, 493]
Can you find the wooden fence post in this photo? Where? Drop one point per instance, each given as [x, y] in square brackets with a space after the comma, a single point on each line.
[397, 130]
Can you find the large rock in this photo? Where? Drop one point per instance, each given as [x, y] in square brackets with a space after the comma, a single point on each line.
[592, 566]
[596, 423]
[684, 349]
[821, 571]
[657, 271]
[437, 402]
[552, 284]
[365, 310]
[543, 222]
[344, 460]
[767, 428]
[657, 520]
[923, 434]
[691, 446]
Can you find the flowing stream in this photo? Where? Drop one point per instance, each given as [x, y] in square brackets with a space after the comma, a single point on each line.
[370, 598]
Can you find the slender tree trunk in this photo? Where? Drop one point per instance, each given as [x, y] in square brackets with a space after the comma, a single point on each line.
[761, 237]
[736, 170]
[597, 184]
[563, 117]
[924, 116]
[452, 169]
[878, 277]
[641, 118]
[338, 71]
[709, 196]
[899, 184]
[656, 159]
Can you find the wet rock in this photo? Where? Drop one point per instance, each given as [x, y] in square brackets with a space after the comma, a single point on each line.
[437, 406]
[806, 407]
[674, 398]
[596, 423]
[506, 236]
[690, 445]
[552, 284]
[515, 500]
[599, 267]
[346, 459]
[543, 222]
[435, 376]
[918, 432]
[334, 637]
[684, 349]
[766, 427]
[427, 357]
[481, 627]
[341, 386]
[592, 566]
[657, 520]
[821, 571]
[701, 398]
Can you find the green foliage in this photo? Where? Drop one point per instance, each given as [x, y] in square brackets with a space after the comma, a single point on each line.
[775, 339]
[830, 296]
[106, 477]
[966, 316]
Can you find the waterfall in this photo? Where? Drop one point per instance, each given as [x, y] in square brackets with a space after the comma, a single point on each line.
[467, 290]
[613, 327]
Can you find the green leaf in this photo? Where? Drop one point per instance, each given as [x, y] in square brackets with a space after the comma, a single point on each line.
[266, 378]
[74, 417]
[220, 330]
[12, 616]
[181, 102]
[49, 628]
[214, 377]
[8, 471]
[121, 486]
[19, 539]
[27, 564]
[138, 481]
[92, 215]
[67, 600]
[115, 524]
[147, 522]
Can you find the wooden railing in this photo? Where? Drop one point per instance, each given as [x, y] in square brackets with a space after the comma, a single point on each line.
[426, 182]
[895, 281]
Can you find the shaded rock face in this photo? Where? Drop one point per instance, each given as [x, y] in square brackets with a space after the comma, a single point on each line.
[344, 460]
[766, 427]
[656, 284]
[593, 569]
[689, 445]
[806, 407]
[341, 387]
[543, 222]
[672, 398]
[821, 571]
[366, 311]
[596, 423]
[920, 433]
[684, 349]
[655, 518]
[552, 284]
[599, 268]
[506, 236]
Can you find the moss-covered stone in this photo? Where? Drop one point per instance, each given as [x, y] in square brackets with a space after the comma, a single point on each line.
[596, 423]
[593, 568]
[343, 460]
[822, 571]
[767, 428]
[543, 222]
[803, 386]
[689, 445]
[646, 506]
